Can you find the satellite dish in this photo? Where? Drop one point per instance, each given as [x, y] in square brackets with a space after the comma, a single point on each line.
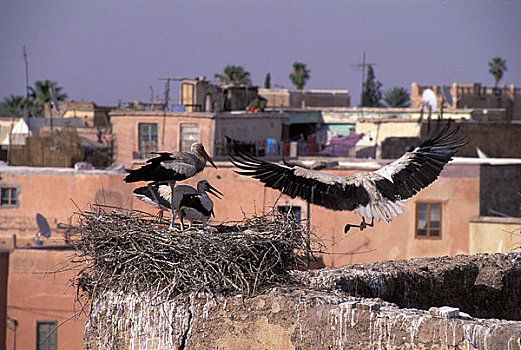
[43, 226]
[54, 99]
[429, 100]
[446, 94]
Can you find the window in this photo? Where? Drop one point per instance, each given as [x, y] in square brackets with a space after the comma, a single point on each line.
[147, 139]
[290, 209]
[46, 335]
[9, 196]
[189, 134]
[428, 220]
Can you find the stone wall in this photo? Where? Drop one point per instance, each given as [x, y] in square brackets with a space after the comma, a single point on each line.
[344, 308]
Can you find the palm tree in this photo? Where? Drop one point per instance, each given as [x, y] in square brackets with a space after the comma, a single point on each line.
[13, 106]
[299, 75]
[41, 94]
[235, 75]
[497, 66]
[397, 97]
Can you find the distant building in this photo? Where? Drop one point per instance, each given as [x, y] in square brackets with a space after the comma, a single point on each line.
[199, 95]
[388, 132]
[209, 114]
[138, 133]
[288, 98]
[475, 96]
[55, 141]
[91, 114]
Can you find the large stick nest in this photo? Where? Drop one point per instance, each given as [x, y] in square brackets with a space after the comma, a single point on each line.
[130, 251]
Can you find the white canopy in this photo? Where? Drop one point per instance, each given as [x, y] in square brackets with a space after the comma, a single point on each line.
[20, 132]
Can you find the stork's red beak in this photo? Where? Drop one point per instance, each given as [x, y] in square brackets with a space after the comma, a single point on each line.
[207, 157]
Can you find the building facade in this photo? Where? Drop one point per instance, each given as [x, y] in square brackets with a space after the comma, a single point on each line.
[138, 133]
[474, 95]
[288, 98]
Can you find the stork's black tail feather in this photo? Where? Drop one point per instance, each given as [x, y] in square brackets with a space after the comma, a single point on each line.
[140, 174]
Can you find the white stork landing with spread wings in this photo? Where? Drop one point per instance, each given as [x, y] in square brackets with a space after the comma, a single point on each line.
[171, 167]
[378, 195]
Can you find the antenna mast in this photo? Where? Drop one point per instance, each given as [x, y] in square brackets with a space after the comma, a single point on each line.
[165, 108]
[26, 81]
[363, 65]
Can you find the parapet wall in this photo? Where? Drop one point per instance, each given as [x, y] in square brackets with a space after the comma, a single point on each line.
[340, 308]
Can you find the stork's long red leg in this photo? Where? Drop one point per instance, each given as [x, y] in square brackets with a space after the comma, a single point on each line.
[172, 215]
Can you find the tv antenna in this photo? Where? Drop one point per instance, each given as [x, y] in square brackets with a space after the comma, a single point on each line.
[363, 65]
[54, 99]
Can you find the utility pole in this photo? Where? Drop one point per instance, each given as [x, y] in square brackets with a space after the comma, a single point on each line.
[165, 107]
[167, 88]
[363, 65]
[26, 81]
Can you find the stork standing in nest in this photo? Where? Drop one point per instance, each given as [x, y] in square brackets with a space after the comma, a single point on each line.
[171, 167]
[378, 195]
[159, 195]
[198, 206]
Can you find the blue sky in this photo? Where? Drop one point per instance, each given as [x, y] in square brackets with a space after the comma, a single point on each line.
[111, 50]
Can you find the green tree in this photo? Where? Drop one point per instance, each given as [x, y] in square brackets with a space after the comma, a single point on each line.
[497, 66]
[235, 75]
[397, 97]
[371, 94]
[13, 106]
[299, 75]
[267, 81]
[40, 94]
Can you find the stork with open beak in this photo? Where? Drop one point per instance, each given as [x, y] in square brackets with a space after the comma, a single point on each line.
[171, 167]
[378, 195]
[198, 206]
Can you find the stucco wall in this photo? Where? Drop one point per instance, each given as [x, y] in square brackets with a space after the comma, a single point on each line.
[56, 194]
[249, 126]
[494, 234]
[212, 129]
[305, 98]
[125, 127]
[37, 294]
